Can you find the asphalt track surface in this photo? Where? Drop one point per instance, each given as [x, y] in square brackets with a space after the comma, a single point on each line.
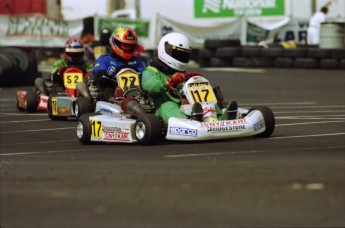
[295, 178]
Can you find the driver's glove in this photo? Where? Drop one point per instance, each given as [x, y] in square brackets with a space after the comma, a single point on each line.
[175, 79]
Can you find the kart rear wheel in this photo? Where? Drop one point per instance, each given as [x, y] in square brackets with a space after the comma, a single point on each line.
[148, 129]
[269, 121]
[50, 112]
[82, 105]
[31, 101]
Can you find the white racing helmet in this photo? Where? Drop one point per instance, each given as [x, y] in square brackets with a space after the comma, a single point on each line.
[174, 50]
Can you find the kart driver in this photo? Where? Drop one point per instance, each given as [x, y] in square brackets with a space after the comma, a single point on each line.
[73, 56]
[168, 70]
[123, 42]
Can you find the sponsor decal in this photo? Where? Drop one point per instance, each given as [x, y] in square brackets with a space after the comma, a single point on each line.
[105, 110]
[112, 129]
[259, 125]
[226, 128]
[116, 136]
[63, 110]
[223, 123]
[183, 131]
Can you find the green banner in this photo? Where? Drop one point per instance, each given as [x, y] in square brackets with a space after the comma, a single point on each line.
[237, 8]
[140, 27]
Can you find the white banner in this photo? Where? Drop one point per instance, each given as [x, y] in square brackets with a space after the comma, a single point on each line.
[37, 31]
[198, 34]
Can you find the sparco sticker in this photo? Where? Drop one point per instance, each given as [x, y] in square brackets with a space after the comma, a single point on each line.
[259, 125]
[183, 131]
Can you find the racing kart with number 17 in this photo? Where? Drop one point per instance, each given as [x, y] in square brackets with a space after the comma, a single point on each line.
[126, 120]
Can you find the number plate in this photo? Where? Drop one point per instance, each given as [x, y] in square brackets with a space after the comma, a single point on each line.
[128, 79]
[201, 92]
[71, 79]
[99, 50]
[96, 129]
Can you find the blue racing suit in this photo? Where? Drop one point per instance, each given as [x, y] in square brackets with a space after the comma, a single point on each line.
[108, 65]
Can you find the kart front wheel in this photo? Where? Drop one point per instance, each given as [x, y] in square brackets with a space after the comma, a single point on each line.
[84, 129]
[148, 129]
[31, 101]
[269, 121]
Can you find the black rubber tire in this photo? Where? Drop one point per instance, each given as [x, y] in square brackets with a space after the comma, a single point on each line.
[263, 62]
[269, 121]
[218, 43]
[204, 57]
[83, 105]
[31, 101]
[242, 62]
[218, 62]
[21, 56]
[307, 63]
[84, 128]
[329, 64]
[228, 52]
[342, 64]
[50, 112]
[272, 52]
[251, 51]
[319, 53]
[148, 129]
[296, 52]
[283, 62]
[338, 53]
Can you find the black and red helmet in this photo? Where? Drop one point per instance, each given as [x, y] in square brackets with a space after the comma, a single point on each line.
[74, 51]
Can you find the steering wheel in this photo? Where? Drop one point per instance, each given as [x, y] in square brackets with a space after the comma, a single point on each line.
[174, 92]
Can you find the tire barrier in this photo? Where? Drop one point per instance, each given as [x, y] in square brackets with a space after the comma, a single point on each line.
[229, 53]
[17, 67]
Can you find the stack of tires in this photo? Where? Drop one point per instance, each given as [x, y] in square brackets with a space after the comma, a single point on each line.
[230, 53]
[17, 67]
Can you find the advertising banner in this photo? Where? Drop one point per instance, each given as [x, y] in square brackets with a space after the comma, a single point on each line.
[198, 34]
[37, 31]
[236, 8]
[140, 27]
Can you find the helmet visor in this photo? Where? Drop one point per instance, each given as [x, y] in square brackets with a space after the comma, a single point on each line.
[180, 54]
[127, 48]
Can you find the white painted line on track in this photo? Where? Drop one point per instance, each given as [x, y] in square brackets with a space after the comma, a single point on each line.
[8, 99]
[23, 114]
[234, 69]
[307, 136]
[49, 129]
[316, 111]
[41, 142]
[280, 103]
[249, 152]
[40, 152]
[321, 122]
[24, 121]
[309, 107]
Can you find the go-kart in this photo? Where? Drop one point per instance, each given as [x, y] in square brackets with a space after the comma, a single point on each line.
[33, 100]
[126, 121]
[75, 98]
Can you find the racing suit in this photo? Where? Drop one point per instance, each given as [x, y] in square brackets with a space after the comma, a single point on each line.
[154, 82]
[108, 65]
[56, 83]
